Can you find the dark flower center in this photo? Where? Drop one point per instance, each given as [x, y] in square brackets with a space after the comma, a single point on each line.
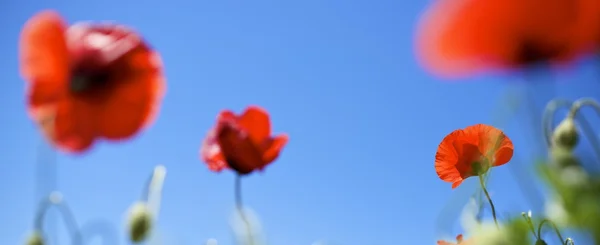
[98, 54]
[532, 52]
[87, 80]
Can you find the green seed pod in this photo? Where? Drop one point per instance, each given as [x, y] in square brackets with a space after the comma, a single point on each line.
[563, 158]
[566, 135]
[35, 239]
[140, 222]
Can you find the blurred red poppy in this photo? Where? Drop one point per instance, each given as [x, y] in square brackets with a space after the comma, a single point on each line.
[471, 152]
[88, 81]
[459, 240]
[242, 143]
[462, 37]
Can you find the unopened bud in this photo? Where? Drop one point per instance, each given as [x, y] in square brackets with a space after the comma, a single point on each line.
[540, 242]
[140, 222]
[565, 135]
[35, 239]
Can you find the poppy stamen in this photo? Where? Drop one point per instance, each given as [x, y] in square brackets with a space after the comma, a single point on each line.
[84, 80]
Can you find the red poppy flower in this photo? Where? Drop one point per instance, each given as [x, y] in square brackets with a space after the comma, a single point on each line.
[471, 152]
[461, 37]
[88, 81]
[242, 143]
[459, 240]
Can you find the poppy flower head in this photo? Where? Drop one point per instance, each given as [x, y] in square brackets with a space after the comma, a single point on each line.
[471, 151]
[242, 143]
[456, 38]
[88, 81]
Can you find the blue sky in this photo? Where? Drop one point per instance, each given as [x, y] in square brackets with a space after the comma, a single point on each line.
[339, 76]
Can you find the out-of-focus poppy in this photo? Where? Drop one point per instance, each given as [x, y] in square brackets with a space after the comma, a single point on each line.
[461, 37]
[242, 143]
[459, 240]
[88, 81]
[471, 151]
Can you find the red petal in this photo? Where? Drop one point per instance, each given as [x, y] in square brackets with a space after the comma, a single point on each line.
[459, 238]
[100, 45]
[74, 125]
[256, 122]
[211, 154]
[489, 136]
[240, 152]
[274, 148]
[44, 59]
[458, 37]
[446, 158]
[227, 115]
[134, 100]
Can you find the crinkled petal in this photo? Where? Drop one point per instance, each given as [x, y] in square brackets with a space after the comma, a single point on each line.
[211, 154]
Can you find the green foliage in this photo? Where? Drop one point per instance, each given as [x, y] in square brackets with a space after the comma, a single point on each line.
[514, 232]
[578, 193]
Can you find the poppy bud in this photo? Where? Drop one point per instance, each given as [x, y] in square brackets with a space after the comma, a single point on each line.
[140, 222]
[566, 135]
[540, 242]
[35, 239]
[562, 157]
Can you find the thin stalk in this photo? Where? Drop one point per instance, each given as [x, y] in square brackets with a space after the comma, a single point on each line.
[155, 187]
[55, 200]
[563, 241]
[487, 195]
[530, 223]
[240, 207]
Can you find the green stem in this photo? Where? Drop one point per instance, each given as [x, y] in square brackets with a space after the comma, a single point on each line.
[55, 200]
[487, 195]
[240, 207]
[555, 230]
[530, 223]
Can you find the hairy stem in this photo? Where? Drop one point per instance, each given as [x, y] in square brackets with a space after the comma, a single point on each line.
[487, 195]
